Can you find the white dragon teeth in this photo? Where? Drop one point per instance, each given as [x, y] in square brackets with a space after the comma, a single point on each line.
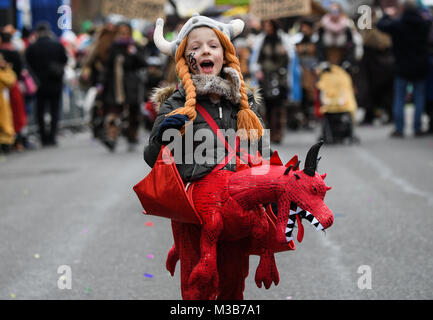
[314, 221]
[319, 227]
[288, 229]
[289, 239]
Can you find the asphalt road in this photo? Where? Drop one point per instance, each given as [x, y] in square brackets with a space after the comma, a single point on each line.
[74, 206]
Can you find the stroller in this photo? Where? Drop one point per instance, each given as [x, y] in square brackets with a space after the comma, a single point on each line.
[335, 104]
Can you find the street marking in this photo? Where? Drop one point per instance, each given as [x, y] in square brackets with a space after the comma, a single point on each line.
[386, 173]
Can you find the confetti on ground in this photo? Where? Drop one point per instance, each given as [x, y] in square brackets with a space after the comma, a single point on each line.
[289, 298]
[338, 215]
[13, 296]
[150, 256]
[88, 290]
[26, 192]
[37, 256]
[149, 224]
[148, 275]
[3, 159]
[84, 231]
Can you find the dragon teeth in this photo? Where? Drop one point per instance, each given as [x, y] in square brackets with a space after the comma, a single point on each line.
[314, 222]
[289, 239]
[319, 227]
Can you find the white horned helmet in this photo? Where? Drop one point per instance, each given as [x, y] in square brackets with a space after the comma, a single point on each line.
[231, 30]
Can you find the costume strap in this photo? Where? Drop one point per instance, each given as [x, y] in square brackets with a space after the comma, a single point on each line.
[216, 129]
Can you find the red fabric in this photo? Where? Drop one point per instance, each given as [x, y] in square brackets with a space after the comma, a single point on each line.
[18, 107]
[162, 183]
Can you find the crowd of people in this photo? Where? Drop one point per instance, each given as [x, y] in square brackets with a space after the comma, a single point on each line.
[121, 66]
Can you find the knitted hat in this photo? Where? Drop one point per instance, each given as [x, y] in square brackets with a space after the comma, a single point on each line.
[249, 125]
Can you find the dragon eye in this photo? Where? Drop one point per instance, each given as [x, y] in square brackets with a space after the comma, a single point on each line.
[315, 190]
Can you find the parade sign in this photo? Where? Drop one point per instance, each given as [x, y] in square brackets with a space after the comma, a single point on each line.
[272, 9]
[143, 9]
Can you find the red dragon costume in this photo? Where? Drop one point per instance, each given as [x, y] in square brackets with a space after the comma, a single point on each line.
[214, 255]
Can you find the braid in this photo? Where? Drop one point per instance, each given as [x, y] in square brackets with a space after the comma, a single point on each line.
[183, 73]
[247, 119]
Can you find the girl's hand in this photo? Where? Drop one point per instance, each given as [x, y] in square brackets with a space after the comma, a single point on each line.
[176, 121]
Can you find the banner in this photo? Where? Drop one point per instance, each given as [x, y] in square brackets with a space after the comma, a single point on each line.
[144, 9]
[272, 9]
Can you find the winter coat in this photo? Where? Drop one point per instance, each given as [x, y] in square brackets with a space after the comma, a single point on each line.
[47, 59]
[121, 81]
[223, 112]
[409, 35]
[293, 71]
[7, 132]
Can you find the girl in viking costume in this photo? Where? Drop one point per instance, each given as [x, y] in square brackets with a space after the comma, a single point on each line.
[210, 76]
[228, 197]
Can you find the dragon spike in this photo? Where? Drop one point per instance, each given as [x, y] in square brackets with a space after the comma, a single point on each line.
[323, 176]
[275, 159]
[297, 165]
[292, 161]
[328, 188]
[311, 159]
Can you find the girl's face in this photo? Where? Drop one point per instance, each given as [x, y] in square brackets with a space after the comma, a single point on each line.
[204, 52]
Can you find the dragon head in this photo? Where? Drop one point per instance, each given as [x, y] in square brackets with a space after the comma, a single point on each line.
[303, 198]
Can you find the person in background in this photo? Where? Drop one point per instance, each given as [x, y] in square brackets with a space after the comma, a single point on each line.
[307, 52]
[409, 32]
[12, 56]
[275, 67]
[336, 43]
[7, 132]
[122, 88]
[376, 79]
[47, 58]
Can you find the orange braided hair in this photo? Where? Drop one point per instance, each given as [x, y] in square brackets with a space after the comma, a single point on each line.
[249, 125]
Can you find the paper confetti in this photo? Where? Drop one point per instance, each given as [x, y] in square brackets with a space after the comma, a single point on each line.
[148, 275]
[88, 290]
[84, 231]
[37, 256]
[13, 296]
[150, 256]
[149, 224]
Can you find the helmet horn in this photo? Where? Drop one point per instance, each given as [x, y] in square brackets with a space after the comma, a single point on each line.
[158, 37]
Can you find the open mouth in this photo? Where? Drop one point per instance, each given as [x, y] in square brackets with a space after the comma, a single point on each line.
[297, 213]
[207, 66]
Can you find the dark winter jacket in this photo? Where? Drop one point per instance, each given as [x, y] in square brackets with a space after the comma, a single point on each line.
[47, 59]
[122, 68]
[171, 99]
[409, 35]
